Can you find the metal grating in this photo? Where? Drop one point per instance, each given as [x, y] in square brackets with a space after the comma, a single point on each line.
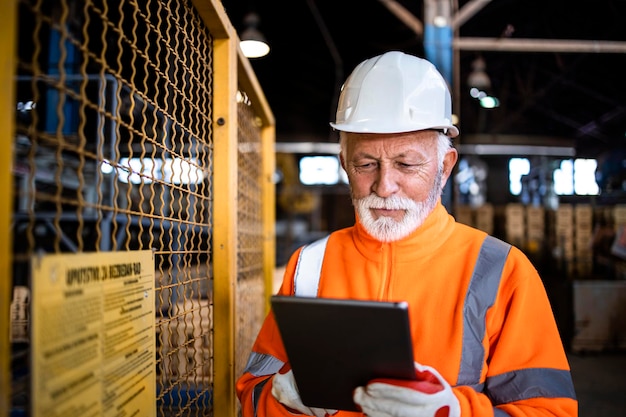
[250, 235]
[113, 152]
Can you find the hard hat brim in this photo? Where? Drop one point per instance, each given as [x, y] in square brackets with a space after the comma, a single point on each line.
[450, 130]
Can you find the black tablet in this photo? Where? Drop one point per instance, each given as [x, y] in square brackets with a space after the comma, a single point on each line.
[336, 345]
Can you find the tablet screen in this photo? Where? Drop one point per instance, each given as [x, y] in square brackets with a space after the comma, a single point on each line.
[336, 345]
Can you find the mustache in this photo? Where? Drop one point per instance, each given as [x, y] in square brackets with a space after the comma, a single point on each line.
[373, 201]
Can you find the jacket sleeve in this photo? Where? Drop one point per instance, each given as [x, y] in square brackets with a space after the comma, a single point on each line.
[254, 386]
[268, 356]
[526, 372]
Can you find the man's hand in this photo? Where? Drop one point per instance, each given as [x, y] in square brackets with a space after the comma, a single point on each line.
[429, 396]
[284, 389]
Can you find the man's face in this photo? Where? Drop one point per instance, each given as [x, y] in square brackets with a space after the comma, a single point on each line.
[395, 179]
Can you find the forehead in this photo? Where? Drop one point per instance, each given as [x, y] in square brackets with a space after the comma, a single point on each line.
[419, 141]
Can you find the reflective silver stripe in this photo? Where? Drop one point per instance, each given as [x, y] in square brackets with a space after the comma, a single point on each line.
[530, 383]
[307, 276]
[261, 364]
[481, 294]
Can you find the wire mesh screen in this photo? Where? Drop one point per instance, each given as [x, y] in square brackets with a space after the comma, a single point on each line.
[250, 283]
[113, 152]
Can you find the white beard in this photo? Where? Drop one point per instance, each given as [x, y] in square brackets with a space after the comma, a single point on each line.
[386, 229]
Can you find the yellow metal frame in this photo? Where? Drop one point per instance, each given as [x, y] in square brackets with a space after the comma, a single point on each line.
[8, 39]
[231, 71]
[230, 68]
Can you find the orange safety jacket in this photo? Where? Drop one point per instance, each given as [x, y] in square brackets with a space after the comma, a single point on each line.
[479, 315]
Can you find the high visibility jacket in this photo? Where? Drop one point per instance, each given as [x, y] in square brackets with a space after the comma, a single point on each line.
[479, 315]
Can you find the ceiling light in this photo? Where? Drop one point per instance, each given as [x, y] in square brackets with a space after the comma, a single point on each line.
[253, 43]
[480, 83]
[478, 78]
[440, 21]
[489, 102]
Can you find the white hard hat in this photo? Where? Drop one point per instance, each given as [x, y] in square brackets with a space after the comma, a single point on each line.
[394, 93]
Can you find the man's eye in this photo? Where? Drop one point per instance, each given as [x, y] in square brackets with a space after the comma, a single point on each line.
[406, 165]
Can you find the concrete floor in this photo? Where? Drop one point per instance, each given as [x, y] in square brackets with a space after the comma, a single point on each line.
[600, 383]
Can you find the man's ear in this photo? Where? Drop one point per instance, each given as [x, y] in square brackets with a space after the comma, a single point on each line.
[449, 161]
[343, 162]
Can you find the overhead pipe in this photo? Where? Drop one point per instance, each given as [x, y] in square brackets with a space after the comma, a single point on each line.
[538, 45]
[405, 16]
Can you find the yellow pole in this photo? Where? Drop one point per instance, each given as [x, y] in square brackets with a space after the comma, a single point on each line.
[224, 224]
[8, 41]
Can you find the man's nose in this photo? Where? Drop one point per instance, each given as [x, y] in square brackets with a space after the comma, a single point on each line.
[386, 183]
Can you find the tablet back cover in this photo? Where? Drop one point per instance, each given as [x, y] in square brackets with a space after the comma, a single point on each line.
[335, 345]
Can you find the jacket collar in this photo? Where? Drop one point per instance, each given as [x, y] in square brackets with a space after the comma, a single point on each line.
[421, 243]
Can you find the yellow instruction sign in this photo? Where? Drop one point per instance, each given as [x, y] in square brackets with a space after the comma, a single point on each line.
[93, 337]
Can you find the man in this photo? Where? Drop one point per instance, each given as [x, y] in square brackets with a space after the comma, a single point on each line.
[485, 340]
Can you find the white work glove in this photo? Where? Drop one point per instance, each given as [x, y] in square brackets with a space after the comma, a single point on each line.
[429, 396]
[284, 389]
